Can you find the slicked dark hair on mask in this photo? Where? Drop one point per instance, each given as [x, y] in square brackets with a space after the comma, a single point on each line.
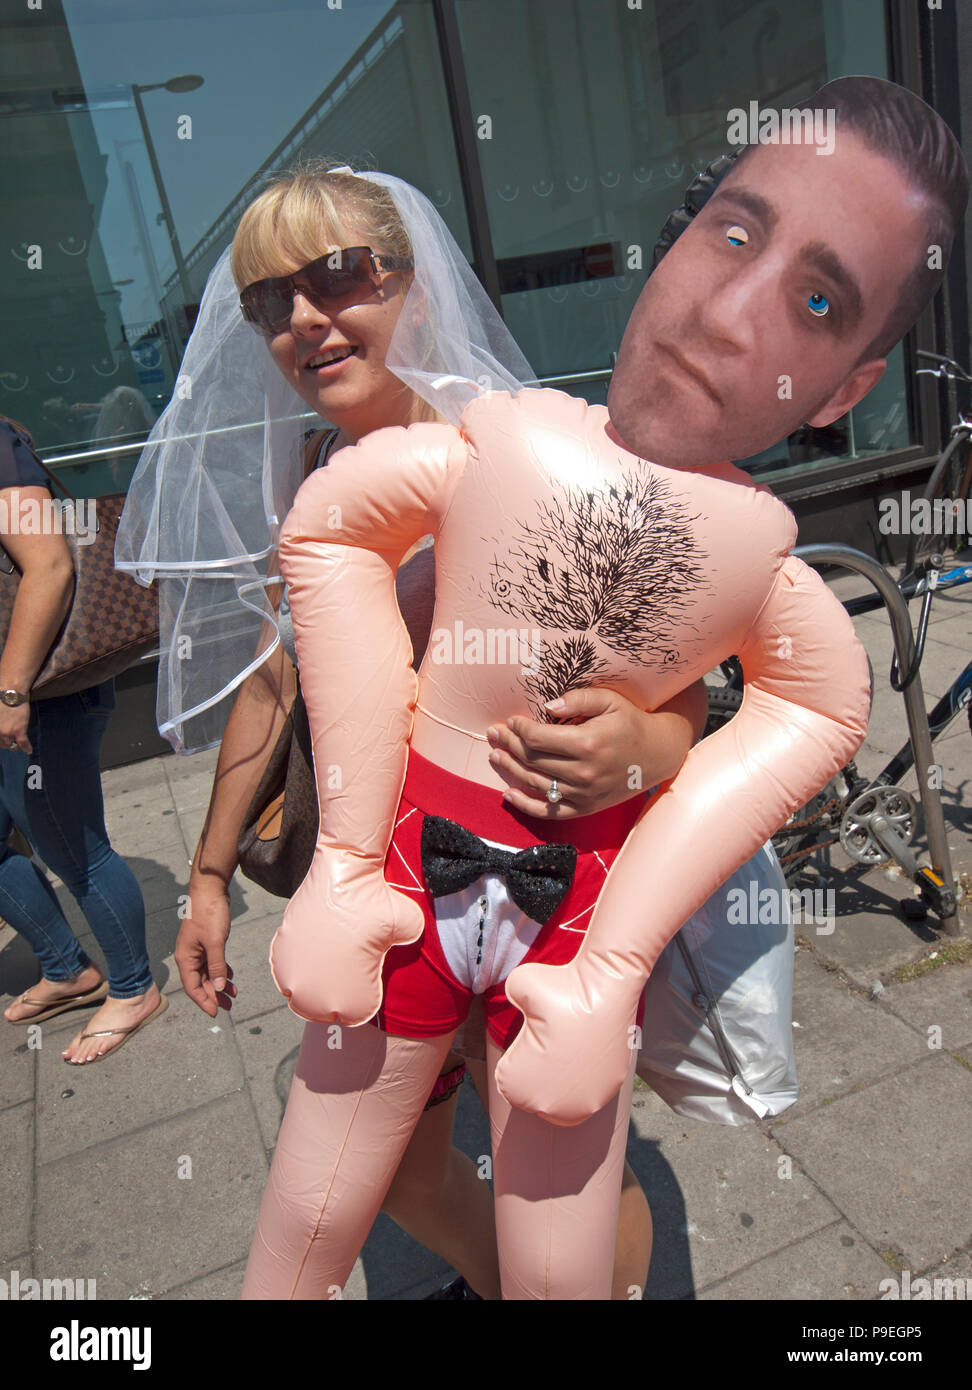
[898, 125]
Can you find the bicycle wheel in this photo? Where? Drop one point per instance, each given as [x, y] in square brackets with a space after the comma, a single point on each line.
[948, 486]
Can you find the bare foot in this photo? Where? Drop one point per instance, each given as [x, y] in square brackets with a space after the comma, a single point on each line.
[47, 992]
[114, 1013]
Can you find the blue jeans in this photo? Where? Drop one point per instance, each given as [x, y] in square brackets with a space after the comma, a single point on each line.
[54, 795]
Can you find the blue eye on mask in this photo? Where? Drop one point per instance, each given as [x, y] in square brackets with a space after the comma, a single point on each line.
[819, 305]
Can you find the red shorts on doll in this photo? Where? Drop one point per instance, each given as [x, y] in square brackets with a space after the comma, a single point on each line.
[475, 937]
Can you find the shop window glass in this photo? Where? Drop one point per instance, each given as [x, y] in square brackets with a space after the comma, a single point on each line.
[136, 135]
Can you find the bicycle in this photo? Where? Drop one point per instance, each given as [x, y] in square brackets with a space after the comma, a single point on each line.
[949, 483]
[845, 810]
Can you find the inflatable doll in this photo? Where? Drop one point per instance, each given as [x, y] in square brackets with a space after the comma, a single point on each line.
[561, 559]
[605, 567]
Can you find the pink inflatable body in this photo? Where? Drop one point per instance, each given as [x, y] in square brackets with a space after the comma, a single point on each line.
[561, 560]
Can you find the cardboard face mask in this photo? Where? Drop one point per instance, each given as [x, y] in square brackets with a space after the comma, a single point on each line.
[605, 569]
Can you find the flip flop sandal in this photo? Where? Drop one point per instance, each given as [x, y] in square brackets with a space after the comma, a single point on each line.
[160, 1008]
[76, 1001]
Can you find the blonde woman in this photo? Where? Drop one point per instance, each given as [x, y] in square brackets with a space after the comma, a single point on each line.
[324, 260]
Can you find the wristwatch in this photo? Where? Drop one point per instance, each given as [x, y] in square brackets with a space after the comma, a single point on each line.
[13, 698]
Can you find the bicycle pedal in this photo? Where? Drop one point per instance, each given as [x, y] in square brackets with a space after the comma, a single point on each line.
[935, 892]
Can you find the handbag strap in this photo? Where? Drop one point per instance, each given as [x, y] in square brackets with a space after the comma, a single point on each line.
[317, 448]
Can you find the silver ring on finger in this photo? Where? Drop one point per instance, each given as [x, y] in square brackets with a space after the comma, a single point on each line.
[554, 794]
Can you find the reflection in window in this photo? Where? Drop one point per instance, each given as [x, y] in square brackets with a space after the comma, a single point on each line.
[136, 138]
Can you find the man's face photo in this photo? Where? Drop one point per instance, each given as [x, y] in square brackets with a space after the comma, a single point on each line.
[756, 320]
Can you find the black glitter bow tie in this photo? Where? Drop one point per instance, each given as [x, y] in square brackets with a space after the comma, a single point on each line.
[453, 857]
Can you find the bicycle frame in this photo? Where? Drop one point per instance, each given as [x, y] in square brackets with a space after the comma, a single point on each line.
[938, 886]
[956, 699]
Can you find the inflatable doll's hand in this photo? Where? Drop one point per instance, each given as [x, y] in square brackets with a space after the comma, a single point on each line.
[327, 954]
[573, 1053]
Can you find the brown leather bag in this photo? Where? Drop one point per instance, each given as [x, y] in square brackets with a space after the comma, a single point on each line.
[277, 838]
[112, 620]
[276, 841]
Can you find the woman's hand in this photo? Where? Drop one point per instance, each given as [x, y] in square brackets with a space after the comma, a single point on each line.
[200, 951]
[616, 751]
[13, 727]
[254, 725]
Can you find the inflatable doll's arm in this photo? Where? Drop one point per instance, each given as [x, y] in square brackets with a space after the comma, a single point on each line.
[804, 714]
[340, 547]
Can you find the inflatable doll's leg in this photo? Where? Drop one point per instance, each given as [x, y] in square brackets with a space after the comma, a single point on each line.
[557, 1192]
[350, 1115]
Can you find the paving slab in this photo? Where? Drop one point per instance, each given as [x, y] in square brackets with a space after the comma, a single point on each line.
[888, 725]
[191, 822]
[942, 661]
[957, 1271]
[952, 629]
[141, 820]
[842, 1041]
[119, 1212]
[191, 789]
[23, 1264]
[163, 875]
[941, 998]
[176, 1063]
[161, 934]
[269, 1045]
[147, 774]
[248, 949]
[225, 1283]
[893, 1159]
[871, 936]
[835, 1263]
[17, 1066]
[16, 1165]
[720, 1197]
[186, 767]
[251, 903]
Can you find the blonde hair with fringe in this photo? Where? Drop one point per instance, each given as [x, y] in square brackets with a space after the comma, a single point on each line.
[307, 211]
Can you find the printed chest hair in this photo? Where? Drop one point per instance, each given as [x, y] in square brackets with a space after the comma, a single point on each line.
[615, 569]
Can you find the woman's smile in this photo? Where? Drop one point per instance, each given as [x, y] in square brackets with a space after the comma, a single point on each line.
[327, 363]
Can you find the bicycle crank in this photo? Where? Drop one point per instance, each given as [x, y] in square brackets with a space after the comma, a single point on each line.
[896, 808]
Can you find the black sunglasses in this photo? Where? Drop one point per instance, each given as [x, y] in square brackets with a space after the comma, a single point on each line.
[341, 277]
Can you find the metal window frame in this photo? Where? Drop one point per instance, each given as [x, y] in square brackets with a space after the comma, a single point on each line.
[463, 130]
